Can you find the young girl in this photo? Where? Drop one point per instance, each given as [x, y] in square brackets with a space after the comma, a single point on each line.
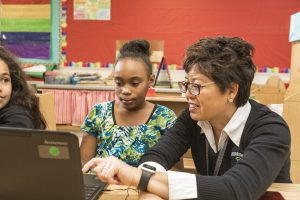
[18, 104]
[129, 126]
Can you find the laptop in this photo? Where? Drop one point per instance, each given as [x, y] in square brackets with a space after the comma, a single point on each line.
[40, 164]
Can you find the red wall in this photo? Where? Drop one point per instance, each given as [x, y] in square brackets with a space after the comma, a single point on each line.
[265, 23]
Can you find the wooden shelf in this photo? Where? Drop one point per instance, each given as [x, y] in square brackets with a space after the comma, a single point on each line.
[167, 99]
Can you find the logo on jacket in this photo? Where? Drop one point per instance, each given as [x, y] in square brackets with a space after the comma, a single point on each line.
[236, 155]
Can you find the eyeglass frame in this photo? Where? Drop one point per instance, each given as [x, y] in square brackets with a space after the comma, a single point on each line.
[185, 86]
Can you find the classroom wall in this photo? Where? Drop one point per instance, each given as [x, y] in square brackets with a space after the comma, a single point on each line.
[265, 23]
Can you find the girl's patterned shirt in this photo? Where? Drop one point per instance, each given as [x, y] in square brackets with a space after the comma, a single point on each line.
[127, 143]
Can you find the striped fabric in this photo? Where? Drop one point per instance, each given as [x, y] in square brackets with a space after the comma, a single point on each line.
[26, 27]
[14, 11]
[72, 106]
[36, 43]
[26, 1]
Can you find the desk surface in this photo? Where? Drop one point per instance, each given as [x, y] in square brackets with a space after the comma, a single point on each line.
[119, 192]
[288, 191]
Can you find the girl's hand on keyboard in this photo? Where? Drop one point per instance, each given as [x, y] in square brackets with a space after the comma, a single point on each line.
[113, 171]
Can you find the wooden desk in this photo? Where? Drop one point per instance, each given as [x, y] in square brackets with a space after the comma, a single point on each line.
[119, 192]
[288, 191]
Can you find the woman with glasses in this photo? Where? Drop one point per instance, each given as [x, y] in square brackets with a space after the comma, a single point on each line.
[239, 146]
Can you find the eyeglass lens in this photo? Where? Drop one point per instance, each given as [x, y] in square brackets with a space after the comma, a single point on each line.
[193, 88]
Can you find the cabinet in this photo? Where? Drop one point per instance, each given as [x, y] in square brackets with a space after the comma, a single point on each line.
[291, 110]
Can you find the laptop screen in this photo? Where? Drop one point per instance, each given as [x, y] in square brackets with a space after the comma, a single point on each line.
[40, 164]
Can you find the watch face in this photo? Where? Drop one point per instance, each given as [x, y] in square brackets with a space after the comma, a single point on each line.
[149, 168]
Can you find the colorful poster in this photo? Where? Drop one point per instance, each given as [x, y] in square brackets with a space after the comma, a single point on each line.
[92, 9]
[26, 28]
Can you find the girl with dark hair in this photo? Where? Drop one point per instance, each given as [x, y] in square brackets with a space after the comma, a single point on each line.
[129, 126]
[239, 146]
[18, 104]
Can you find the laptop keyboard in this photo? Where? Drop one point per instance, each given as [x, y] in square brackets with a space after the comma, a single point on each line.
[92, 192]
[92, 187]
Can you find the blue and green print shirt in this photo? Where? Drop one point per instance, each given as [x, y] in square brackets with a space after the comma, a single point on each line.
[127, 143]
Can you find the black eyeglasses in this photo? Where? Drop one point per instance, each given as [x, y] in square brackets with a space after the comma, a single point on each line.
[193, 88]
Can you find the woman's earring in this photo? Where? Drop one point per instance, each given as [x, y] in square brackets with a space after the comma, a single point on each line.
[230, 100]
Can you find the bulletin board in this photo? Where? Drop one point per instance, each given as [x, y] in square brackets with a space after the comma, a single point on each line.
[180, 23]
[31, 30]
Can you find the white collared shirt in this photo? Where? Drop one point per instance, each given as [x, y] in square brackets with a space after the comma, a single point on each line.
[183, 185]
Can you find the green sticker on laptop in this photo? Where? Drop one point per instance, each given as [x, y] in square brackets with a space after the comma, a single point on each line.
[53, 152]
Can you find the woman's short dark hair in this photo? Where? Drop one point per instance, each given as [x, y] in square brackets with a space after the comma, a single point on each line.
[137, 49]
[224, 60]
[22, 95]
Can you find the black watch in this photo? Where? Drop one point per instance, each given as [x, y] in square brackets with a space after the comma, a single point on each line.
[147, 172]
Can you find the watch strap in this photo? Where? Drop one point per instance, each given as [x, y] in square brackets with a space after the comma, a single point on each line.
[143, 184]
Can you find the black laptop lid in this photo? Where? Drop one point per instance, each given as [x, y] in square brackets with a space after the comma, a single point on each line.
[39, 165]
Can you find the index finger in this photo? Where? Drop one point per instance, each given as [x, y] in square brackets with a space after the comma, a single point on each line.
[91, 164]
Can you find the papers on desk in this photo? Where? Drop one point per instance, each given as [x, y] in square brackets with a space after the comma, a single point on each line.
[36, 71]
